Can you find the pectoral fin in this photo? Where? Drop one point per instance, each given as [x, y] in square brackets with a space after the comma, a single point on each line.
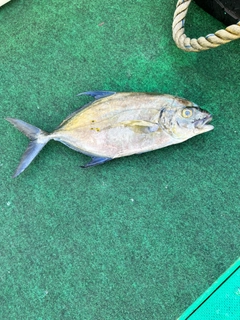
[97, 94]
[95, 161]
[141, 125]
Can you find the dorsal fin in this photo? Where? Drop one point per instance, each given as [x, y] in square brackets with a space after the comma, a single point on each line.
[97, 94]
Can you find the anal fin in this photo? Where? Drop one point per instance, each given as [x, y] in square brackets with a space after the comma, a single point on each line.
[96, 161]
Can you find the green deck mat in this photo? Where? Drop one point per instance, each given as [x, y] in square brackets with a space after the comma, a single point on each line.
[221, 301]
[140, 237]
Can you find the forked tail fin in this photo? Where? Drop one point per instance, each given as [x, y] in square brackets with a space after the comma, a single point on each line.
[38, 139]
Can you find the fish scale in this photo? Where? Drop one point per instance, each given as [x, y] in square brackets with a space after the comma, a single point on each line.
[115, 125]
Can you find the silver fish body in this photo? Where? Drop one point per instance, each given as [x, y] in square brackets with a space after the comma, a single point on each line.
[120, 124]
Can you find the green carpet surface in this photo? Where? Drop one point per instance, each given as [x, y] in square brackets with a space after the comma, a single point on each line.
[140, 237]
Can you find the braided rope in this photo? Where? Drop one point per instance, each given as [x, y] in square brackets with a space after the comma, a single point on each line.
[203, 43]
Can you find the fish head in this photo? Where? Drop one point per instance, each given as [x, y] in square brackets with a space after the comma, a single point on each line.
[184, 119]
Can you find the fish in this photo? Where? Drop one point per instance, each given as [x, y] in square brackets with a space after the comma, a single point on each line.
[119, 124]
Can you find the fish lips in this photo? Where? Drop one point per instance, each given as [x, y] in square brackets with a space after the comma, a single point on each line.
[204, 123]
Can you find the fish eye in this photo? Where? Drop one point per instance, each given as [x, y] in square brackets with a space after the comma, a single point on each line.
[187, 113]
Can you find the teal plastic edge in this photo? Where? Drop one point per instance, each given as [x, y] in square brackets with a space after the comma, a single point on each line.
[227, 274]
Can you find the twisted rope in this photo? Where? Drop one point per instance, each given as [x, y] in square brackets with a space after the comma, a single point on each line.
[203, 43]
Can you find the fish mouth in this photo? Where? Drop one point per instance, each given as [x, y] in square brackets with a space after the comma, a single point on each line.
[204, 123]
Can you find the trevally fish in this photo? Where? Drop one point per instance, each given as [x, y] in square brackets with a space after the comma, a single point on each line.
[115, 125]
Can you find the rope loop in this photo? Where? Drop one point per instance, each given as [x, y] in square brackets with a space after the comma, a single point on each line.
[203, 43]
